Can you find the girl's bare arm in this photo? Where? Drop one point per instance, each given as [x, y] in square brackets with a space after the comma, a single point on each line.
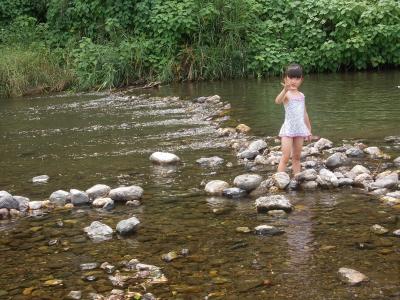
[307, 120]
[281, 98]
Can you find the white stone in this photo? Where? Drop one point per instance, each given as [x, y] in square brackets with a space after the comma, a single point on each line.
[126, 193]
[351, 276]
[273, 202]
[98, 191]
[98, 231]
[59, 197]
[216, 187]
[164, 158]
[281, 180]
[78, 197]
[40, 179]
[359, 169]
[247, 182]
[35, 205]
[322, 144]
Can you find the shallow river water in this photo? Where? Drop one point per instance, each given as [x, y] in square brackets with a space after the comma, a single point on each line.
[81, 140]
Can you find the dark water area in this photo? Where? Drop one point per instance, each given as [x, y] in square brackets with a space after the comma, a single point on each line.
[82, 140]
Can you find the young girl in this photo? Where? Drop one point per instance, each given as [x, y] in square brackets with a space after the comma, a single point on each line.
[297, 126]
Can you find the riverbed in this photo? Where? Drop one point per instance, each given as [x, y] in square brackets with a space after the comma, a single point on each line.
[83, 139]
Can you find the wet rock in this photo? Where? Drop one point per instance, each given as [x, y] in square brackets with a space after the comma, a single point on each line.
[33, 205]
[345, 181]
[164, 158]
[133, 203]
[322, 144]
[95, 296]
[306, 175]
[396, 162]
[391, 201]
[267, 230]
[128, 226]
[273, 202]
[185, 252]
[359, 169]
[258, 145]
[247, 182]
[277, 213]
[395, 194]
[74, 295]
[98, 191]
[53, 282]
[378, 229]
[373, 151]
[327, 179]
[226, 131]
[243, 229]
[40, 179]
[336, 160]
[106, 203]
[248, 154]
[170, 256]
[15, 213]
[78, 197]
[210, 162]
[354, 152]
[7, 201]
[216, 187]
[59, 198]
[4, 213]
[88, 266]
[98, 231]
[148, 296]
[242, 128]
[363, 180]
[396, 233]
[310, 164]
[108, 268]
[213, 99]
[379, 192]
[126, 193]
[263, 188]
[23, 203]
[293, 185]
[351, 276]
[387, 181]
[234, 193]
[281, 180]
[118, 279]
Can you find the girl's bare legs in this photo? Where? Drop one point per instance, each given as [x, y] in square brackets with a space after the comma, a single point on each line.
[296, 154]
[286, 147]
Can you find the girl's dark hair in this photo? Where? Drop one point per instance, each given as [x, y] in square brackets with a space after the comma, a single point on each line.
[294, 70]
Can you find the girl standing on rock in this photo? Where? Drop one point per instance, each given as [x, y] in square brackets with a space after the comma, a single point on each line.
[297, 126]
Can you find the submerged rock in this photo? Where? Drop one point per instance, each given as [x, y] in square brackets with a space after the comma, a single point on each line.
[216, 187]
[40, 179]
[234, 193]
[211, 162]
[247, 182]
[164, 158]
[309, 185]
[378, 229]
[128, 226]
[267, 230]
[98, 231]
[126, 193]
[273, 202]
[397, 162]
[351, 276]
[74, 295]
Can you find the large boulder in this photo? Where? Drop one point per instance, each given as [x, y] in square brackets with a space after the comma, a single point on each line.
[327, 179]
[273, 202]
[98, 191]
[281, 180]
[387, 181]
[164, 158]
[336, 160]
[247, 182]
[128, 226]
[234, 193]
[126, 193]
[59, 198]
[98, 231]
[216, 187]
[78, 197]
[7, 201]
[258, 145]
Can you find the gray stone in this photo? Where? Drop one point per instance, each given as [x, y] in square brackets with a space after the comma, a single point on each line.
[389, 181]
[98, 231]
[106, 203]
[14, 213]
[98, 191]
[310, 164]
[309, 185]
[216, 187]
[373, 151]
[391, 201]
[345, 181]
[23, 203]
[322, 144]
[108, 268]
[336, 160]
[74, 295]
[354, 152]
[363, 180]
[7, 201]
[234, 193]
[395, 194]
[327, 179]
[210, 162]
[267, 230]
[59, 198]
[33, 205]
[88, 266]
[277, 213]
[379, 192]
[248, 154]
[258, 145]
[78, 197]
[40, 179]
[306, 175]
[397, 162]
[164, 158]
[126, 193]
[128, 226]
[281, 180]
[359, 169]
[263, 188]
[247, 182]
[273, 202]
[351, 276]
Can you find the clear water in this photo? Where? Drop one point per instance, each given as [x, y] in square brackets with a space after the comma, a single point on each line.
[81, 140]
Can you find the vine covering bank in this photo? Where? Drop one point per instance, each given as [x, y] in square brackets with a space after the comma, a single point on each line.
[51, 45]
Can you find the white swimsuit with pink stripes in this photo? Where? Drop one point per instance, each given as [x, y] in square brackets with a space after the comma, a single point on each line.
[294, 125]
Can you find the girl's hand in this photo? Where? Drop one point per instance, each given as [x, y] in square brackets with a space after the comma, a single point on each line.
[285, 84]
[309, 138]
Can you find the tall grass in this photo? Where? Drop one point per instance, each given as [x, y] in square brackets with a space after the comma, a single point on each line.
[31, 71]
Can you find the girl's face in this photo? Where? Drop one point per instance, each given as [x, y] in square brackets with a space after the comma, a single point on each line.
[294, 82]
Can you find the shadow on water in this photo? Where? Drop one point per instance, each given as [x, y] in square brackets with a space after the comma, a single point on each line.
[81, 140]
